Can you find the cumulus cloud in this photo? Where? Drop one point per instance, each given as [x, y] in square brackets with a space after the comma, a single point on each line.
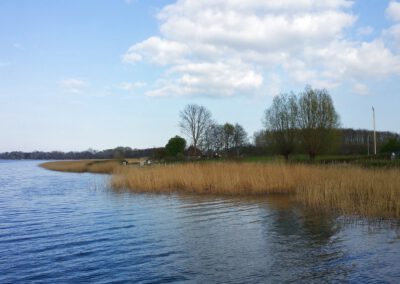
[393, 11]
[209, 79]
[156, 50]
[73, 85]
[228, 47]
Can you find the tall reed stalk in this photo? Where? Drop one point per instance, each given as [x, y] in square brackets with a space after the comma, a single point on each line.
[350, 190]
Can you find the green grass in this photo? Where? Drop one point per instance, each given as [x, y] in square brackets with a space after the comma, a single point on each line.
[379, 161]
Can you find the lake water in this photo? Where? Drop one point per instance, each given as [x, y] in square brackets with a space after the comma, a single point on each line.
[68, 228]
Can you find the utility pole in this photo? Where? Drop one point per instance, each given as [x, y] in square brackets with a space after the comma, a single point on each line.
[368, 142]
[373, 118]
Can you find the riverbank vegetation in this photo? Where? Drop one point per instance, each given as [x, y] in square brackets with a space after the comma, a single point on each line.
[82, 166]
[344, 188]
[347, 189]
[289, 157]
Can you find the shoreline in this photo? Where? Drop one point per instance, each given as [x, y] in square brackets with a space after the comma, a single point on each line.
[347, 189]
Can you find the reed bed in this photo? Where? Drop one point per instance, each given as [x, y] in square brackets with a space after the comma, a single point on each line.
[347, 189]
[220, 178]
[81, 166]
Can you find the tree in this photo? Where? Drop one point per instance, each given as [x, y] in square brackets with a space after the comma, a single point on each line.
[260, 138]
[228, 130]
[281, 122]
[392, 145]
[195, 120]
[208, 142]
[317, 120]
[175, 146]
[216, 132]
[239, 137]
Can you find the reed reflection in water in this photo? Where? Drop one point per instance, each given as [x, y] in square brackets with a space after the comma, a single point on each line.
[63, 227]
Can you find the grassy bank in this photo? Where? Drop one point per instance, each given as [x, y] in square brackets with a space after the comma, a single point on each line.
[348, 189]
[365, 161]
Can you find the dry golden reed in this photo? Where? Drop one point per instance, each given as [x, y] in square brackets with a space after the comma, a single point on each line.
[349, 190]
[223, 178]
[81, 166]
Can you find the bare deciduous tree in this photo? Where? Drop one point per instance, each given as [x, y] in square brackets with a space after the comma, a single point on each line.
[229, 130]
[195, 120]
[281, 121]
[239, 138]
[317, 120]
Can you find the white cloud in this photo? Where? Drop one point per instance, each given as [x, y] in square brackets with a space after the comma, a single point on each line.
[156, 50]
[228, 47]
[73, 85]
[393, 11]
[361, 89]
[392, 36]
[131, 86]
[208, 79]
[360, 61]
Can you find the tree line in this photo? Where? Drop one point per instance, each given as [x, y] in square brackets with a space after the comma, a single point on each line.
[294, 123]
[304, 123]
[116, 153]
[308, 119]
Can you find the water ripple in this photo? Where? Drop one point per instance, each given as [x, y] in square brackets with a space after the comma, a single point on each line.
[69, 228]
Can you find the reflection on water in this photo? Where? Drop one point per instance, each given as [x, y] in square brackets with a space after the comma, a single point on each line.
[71, 228]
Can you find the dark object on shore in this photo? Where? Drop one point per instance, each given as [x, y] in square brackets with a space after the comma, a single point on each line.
[124, 162]
[216, 155]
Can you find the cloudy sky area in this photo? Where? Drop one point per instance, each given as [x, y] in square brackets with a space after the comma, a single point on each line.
[100, 74]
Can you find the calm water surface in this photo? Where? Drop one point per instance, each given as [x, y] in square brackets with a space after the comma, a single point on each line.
[69, 228]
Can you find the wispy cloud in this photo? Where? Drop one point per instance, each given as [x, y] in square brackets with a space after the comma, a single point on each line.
[131, 86]
[361, 89]
[365, 31]
[73, 85]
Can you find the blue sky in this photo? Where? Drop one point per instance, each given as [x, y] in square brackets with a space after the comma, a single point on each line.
[99, 74]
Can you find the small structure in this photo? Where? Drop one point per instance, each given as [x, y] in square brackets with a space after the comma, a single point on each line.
[124, 162]
[216, 155]
[143, 163]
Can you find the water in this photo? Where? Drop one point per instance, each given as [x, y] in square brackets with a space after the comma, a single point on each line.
[69, 228]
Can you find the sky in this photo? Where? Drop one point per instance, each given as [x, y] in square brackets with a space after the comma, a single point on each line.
[99, 74]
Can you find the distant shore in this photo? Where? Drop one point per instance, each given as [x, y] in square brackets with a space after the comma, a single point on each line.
[347, 189]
